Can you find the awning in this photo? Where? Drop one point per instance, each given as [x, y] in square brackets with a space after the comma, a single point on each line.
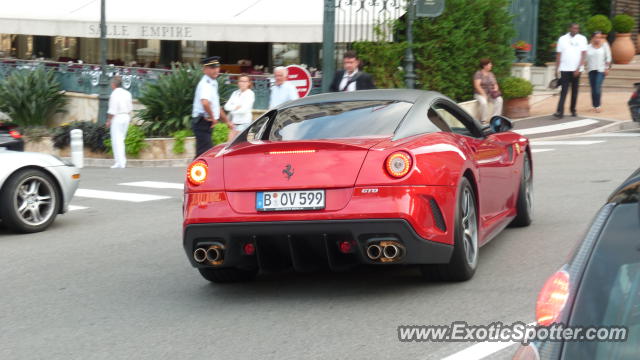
[298, 21]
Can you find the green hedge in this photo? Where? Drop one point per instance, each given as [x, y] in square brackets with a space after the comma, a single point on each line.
[553, 21]
[447, 49]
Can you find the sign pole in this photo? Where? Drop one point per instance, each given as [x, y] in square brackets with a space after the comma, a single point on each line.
[328, 44]
[409, 74]
[103, 85]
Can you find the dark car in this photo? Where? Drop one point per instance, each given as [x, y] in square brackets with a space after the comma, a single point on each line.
[634, 103]
[10, 137]
[599, 286]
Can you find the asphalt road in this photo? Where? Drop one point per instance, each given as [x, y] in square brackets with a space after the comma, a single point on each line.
[111, 281]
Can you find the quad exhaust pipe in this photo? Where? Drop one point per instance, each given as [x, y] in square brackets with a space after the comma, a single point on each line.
[385, 251]
[200, 255]
[374, 251]
[212, 254]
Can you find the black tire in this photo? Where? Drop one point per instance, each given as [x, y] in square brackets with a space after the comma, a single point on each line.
[29, 201]
[524, 205]
[464, 260]
[228, 275]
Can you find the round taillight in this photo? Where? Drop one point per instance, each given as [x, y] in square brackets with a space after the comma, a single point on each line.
[15, 134]
[398, 164]
[552, 298]
[197, 173]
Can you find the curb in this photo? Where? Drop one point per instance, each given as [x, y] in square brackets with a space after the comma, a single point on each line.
[135, 163]
[616, 126]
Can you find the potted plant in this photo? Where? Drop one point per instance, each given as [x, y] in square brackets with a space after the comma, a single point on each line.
[515, 92]
[522, 48]
[599, 23]
[623, 49]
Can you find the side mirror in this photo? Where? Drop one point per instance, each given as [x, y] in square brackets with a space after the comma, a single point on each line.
[500, 124]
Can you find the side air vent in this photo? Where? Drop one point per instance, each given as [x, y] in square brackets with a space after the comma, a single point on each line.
[437, 215]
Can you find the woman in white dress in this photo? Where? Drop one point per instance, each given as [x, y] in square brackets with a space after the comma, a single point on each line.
[240, 106]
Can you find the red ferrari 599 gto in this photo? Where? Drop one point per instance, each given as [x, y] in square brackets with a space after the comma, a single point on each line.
[378, 177]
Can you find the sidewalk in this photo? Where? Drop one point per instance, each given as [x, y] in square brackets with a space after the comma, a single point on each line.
[614, 106]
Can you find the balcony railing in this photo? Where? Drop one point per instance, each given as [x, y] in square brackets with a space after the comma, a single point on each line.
[83, 78]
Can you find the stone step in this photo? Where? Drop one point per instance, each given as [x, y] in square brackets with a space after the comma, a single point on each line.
[609, 88]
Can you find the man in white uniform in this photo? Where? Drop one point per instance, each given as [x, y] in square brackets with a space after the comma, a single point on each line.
[206, 105]
[118, 118]
[570, 58]
[282, 91]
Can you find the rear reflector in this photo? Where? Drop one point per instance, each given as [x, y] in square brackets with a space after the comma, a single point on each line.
[15, 134]
[197, 172]
[290, 152]
[345, 247]
[249, 249]
[552, 298]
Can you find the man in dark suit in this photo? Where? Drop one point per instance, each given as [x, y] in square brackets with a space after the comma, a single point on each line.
[351, 79]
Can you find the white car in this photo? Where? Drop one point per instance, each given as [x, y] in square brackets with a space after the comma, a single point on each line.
[34, 189]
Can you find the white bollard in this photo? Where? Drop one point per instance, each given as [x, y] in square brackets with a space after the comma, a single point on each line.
[77, 151]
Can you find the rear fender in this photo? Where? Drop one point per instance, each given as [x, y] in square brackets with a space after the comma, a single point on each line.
[437, 161]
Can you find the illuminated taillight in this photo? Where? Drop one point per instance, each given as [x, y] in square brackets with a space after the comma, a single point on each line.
[553, 298]
[634, 95]
[398, 164]
[15, 134]
[197, 172]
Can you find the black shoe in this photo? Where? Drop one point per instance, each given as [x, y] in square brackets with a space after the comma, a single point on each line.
[574, 114]
[558, 115]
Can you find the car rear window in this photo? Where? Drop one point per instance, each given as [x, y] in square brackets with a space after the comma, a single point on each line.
[338, 120]
[609, 294]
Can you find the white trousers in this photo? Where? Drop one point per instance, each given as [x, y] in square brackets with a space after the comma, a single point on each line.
[119, 127]
[483, 107]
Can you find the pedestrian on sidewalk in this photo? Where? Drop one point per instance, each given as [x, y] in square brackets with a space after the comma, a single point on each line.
[598, 64]
[282, 91]
[206, 105]
[118, 118]
[571, 55]
[351, 78]
[487, 90]
[240, 106]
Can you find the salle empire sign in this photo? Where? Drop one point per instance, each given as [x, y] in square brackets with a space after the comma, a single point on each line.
[132, 31]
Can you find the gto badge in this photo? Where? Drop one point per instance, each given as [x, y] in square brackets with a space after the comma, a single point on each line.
[288, 171]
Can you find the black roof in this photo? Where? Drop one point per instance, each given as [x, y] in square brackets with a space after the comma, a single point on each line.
[407, 95]
[414, 121]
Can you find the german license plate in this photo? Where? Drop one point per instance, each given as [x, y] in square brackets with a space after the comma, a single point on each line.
[290, 200]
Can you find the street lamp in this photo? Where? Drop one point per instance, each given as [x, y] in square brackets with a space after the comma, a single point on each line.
[103, 85]
[409, 74]
[328, 44]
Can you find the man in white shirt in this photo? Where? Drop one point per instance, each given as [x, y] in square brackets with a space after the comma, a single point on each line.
[206, 105]
[570, 59]
[282, 91]
[118, 118]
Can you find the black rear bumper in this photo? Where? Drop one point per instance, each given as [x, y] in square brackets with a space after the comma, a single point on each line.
[309, 245]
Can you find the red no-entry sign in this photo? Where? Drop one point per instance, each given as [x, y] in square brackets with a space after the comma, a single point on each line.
[300, 78]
